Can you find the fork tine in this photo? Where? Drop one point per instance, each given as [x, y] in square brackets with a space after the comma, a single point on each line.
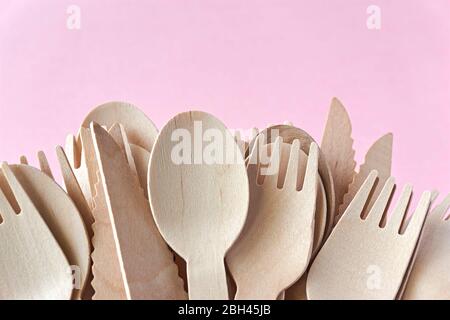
[23, 160]
[356, 206]
[69, 147]
[73, 188]
[445, 206]
[398, 217]
[311, 173]
[290, 180]
[416, 222]
[253, 163]
[434, 195]
[43, 164]
[239, 142]
[380, 205]
[308, 193]
[21, 196]
[254, 132]
[6, 210]
[272, 171]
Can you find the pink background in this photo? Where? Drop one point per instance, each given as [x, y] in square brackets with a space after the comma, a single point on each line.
[250, 63]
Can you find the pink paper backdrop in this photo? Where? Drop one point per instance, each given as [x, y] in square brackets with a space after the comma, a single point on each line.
[250, 63]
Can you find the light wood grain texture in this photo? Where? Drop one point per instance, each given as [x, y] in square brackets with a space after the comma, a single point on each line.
[298, 290]
[379, 157]
[108, 281]
[434, 195]
[429, 279]
[337, 146]
[63, 219]
[275, 245]
[32, 264]
[74, 190]
[139, 128]
[289, 134]
[201, 208]
[77, 153]
[360, 259]
[141, 159]
[146, 262]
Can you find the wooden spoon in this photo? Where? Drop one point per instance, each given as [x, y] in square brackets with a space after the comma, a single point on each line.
[139, 128]
[200, 207]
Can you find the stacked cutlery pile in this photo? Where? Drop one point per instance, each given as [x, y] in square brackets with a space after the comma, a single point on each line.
[195, 211]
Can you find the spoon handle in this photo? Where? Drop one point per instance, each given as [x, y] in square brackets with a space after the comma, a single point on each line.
[207, 279]
[252, 292]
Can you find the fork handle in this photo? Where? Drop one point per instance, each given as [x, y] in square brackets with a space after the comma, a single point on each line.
[207, 279]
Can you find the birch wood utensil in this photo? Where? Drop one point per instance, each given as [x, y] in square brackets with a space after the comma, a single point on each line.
[289, 134]
[337, 146]
[379, 157]
[279, 231]
[82, 260]
[320, 218]
[79, 153]
[74, 190]
[27, 248]
[434, 195]
[43, 163]
[62, 218]
[147, 264]
[200, 206]
[141, 158]
[139, 128]
[108, 281]
[360, 259]
[429, 278]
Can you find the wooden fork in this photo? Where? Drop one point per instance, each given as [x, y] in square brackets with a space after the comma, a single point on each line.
[429, 278]
[32, 264]
[275, 245]
[365, 259]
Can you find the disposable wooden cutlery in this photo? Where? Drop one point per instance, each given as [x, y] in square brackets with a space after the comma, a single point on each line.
[147, 265]
[108, 282]
[32, 264]
[368, 259]
[289, 134]
[62, 218]
[429, 277]
[139, 128]
[379, 158]
[337, 146]
[200, 205]
[43, 163]
[275, 245]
